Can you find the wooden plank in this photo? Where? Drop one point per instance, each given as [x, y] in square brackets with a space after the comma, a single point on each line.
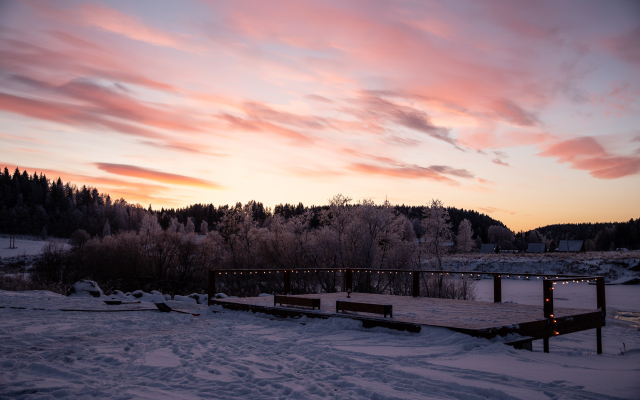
[297, 301]
[383, 309]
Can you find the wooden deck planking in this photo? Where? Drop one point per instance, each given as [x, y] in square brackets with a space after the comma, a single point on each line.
[453, 314]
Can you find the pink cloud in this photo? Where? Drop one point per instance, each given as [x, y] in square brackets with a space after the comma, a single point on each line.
[65, 114]
[434, 172]
[25, 58]
[491, 210]
[490, 139]
[511, 112]
[255, 125]
[111, 20]
[184, 147]
[626, 46]
[587, 154]
[409, 172]
[376, 111]
[149, 174]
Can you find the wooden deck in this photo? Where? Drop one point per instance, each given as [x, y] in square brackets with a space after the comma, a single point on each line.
[480, 319]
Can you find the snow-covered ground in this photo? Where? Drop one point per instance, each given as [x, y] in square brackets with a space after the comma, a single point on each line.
[25, 246]
[147, 354]
[611, 264]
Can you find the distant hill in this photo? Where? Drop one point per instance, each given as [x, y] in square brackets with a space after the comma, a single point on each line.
[597, 236]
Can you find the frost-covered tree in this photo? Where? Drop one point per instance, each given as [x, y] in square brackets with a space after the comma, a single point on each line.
[437, 235]
[191, 227]
[204, 227]
[465, 242]
[149, 225]
[173, 225]
[181, 229]
[106, 231]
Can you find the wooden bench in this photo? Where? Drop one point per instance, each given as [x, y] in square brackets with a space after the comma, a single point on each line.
[296, 301]
[383, 309]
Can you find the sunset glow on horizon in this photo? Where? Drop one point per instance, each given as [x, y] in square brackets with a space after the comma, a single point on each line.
[526, 111]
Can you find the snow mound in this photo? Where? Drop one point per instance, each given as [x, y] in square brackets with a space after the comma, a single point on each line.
[153, 297]
[185, 299]
[85, 288]
[200, 298]
[265, 295]
[118, 295]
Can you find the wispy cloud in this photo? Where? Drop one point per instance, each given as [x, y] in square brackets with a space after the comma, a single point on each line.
[435, 172]
[149, 174]
[585, 153]
[491, 210]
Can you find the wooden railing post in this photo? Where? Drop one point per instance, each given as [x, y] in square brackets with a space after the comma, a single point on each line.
[602, 304]
[600, 297]
[497, 288]
[547, 293]
[349, 280]
[211, 287]
[287, 282]
[416, 283]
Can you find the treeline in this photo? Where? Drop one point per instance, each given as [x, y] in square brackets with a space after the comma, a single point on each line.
[597, 236]
[34, 205]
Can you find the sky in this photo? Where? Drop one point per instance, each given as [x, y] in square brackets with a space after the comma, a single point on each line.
[527, 111]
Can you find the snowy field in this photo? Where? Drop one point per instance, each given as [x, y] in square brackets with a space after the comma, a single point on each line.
[147, 354]
[24, 247]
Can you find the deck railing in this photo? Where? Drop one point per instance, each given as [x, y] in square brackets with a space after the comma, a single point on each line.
[346, 275]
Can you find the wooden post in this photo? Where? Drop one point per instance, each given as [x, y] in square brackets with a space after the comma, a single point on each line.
[212, 287]
[497, 289]
[287, 282]
[545, 342]
[547, 293]
[602, 304]
[349, 280]
[416, 283]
